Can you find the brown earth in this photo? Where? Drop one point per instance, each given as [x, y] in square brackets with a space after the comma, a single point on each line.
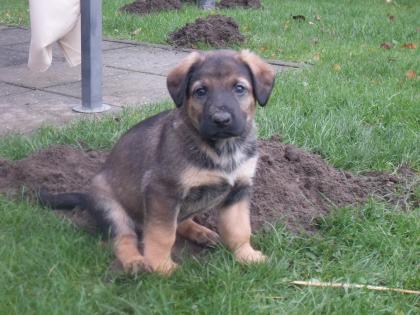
[215, 30]
[255, 4]
[142, 7]
[291, 185]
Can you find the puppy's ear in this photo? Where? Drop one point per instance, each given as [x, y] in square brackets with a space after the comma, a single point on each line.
[177, 81]
[262, 75]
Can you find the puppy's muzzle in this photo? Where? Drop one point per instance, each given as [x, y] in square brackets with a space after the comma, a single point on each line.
[222, 119]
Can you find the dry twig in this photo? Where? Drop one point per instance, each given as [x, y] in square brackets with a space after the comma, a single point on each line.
[352, 286]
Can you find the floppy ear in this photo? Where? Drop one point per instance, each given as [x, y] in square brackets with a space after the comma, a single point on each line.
[262, 75]
[177, 81]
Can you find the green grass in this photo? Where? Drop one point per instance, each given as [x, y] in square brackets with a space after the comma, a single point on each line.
[366, 116]
[48, 267]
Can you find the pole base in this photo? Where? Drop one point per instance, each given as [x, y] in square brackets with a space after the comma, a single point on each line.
[96, 109]
[207, 4]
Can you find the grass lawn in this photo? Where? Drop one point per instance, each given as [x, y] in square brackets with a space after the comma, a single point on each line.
[355, 106]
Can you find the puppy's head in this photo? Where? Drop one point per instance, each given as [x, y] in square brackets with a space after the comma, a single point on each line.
[220, 89]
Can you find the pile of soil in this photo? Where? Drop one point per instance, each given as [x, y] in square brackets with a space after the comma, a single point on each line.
[59, 168]
[215, 30]
[296, 188]
[291, 185]
[142, 7]
[254, 4]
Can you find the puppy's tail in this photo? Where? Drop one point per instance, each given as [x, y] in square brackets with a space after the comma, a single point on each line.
[66, 201]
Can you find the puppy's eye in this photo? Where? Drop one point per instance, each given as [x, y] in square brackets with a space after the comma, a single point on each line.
[200, 92]
[239, 89]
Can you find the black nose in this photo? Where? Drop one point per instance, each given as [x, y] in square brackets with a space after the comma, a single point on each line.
[222, 119]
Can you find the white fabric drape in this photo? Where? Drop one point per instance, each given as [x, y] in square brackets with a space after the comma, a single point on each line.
[54, 21]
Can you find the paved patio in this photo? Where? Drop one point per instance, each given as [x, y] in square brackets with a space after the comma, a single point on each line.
[134, 74]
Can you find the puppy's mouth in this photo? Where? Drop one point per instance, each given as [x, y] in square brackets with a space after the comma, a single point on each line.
[221, 133]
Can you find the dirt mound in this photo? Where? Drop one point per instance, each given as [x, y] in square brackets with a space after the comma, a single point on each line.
[215, 30]
[296, 187]
[254, 4]
[291, 185]
[142, 7]
[57, 169]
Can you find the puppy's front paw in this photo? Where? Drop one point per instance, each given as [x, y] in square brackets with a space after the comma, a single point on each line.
[248, 255]
[165, 268]
[135, 265]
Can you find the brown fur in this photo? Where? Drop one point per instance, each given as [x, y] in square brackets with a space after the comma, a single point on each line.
[235, 231]
[194, 177]
[197, 233]
[158, 242]
[263, 74]
[126, 250]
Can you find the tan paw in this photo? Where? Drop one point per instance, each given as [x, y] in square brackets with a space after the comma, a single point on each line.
[248, 255]
[198, 233]
[134, 265]
[206, 237]
[164, 268]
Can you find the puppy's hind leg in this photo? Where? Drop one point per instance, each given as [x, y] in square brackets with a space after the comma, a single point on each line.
[197, 233]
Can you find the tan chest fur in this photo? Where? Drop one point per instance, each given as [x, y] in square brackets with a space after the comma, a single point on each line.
[194, 176]
[206, 189]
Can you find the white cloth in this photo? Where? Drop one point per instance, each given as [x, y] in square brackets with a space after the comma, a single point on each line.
[54, 21]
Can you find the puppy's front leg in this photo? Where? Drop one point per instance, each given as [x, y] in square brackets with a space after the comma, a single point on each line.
[235, 230]
[160, 232]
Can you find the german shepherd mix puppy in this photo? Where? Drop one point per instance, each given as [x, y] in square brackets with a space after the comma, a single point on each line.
[201, 155]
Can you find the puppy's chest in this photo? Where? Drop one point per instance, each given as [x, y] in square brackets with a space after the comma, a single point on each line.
[201, 198]
[206, 189]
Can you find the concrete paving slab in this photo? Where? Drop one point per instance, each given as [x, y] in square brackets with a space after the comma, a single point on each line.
[144, 59]
[57, 51]
[111, 45]
[31, 110]
[14, 35]
[18, 53]
[9, 57]
[24, 47]
[124, 89]
[160, 60]
[59, 73]
[134, 74]
[7, 89]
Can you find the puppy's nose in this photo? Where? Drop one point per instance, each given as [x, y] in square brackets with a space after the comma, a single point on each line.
[222, 119]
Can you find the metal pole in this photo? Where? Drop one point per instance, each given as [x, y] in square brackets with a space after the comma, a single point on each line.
[91, 27]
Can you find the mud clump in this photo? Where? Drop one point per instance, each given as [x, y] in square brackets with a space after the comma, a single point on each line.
[215, 30]
[142, 7]
[228, 4]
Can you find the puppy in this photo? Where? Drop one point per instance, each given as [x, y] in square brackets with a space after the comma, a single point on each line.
[198, 156]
